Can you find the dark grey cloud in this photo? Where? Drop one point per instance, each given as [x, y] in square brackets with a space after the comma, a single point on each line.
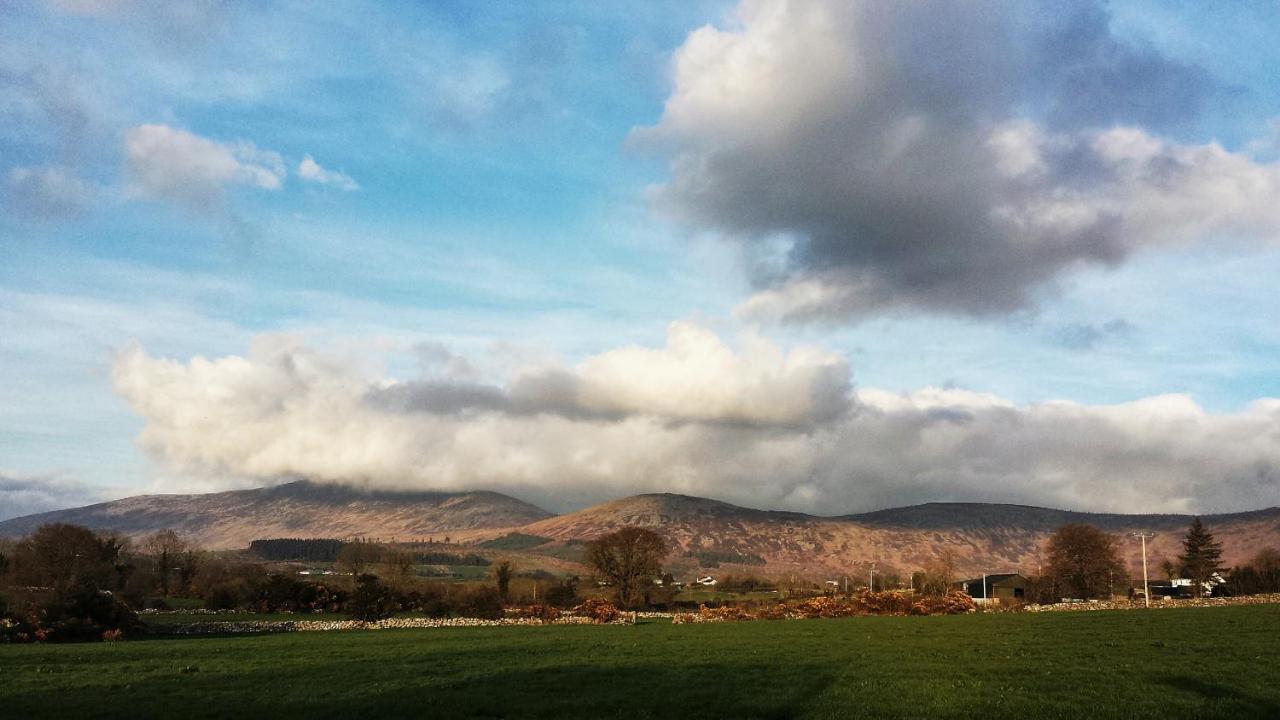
[26, 496]
[1090, 78]
[955, 157]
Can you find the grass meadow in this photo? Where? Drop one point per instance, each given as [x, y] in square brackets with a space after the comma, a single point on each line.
[1184, 663]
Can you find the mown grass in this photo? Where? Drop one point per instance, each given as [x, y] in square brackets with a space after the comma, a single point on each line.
[1187, 663]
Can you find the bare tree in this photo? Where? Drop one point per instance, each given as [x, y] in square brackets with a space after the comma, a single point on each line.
[629, 560]
[397, 567]
[356, 558]
[166, 549]
[1084, 561]
[939, 573]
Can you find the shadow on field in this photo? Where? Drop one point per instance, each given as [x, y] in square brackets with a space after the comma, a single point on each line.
[584, 692]
[1240, 703]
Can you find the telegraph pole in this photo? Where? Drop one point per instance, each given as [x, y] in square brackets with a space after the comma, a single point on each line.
[1146, 587]
[872, 586]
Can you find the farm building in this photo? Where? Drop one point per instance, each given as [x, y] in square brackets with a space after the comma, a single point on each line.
[1005, 586]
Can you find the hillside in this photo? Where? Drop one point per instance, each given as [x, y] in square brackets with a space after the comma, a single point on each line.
[299, 509]
[706, 533]
[983, 537]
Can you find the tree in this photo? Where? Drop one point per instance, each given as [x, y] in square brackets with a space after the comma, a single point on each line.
[1259, 575]
[1084, 561]
[62, 557]
[628, 559]
[939, 574]
[166, 548]
[502, 574]
[356, 558]
[1201, 555]
[397, 567]
[370, 600]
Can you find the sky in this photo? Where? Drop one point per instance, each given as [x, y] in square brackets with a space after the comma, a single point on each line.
[820, 256]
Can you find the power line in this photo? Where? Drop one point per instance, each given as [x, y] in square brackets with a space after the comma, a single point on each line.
[1146, 587]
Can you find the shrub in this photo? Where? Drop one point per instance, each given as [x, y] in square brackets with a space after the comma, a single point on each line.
[225, 595]
[430, 602]
[601, 611]
[776, 611]
[745, 583]
[484, 603]
[85, 613]
[371, 600]
[884, 602]
[724, 612]
[564, 595]
[538, 611]
[825, 606]
[953, 603]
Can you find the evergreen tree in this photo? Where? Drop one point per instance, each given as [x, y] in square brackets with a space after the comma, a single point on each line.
[1201, 555]
[502, 573]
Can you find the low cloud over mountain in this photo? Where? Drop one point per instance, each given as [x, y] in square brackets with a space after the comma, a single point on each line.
[751, 422]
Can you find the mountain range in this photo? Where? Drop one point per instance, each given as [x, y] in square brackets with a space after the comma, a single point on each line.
[705, 533]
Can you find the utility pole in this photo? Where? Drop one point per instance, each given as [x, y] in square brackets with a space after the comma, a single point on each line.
[872, 585]
[1146, 587]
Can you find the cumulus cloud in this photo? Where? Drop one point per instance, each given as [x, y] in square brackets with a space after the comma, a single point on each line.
[166, 162]
[28, 495]
[953, 157]
[47, 193]
[311, 171]
[751, 422]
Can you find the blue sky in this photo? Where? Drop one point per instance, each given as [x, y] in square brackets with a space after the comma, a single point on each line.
[486, 184]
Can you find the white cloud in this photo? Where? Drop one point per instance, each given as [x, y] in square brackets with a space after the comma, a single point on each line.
[758, 425]
[169, 163]
[951, 157]
[311, 171]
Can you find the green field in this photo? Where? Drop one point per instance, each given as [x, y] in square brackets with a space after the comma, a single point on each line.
[1186, 663]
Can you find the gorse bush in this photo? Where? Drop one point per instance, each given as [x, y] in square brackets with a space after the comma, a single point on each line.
[601, 611]
[832, 606]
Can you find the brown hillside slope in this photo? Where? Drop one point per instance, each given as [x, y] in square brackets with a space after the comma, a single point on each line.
[300, 509]
[984, 537]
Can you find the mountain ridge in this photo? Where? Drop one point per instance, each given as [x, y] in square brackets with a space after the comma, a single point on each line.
[703, 531]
